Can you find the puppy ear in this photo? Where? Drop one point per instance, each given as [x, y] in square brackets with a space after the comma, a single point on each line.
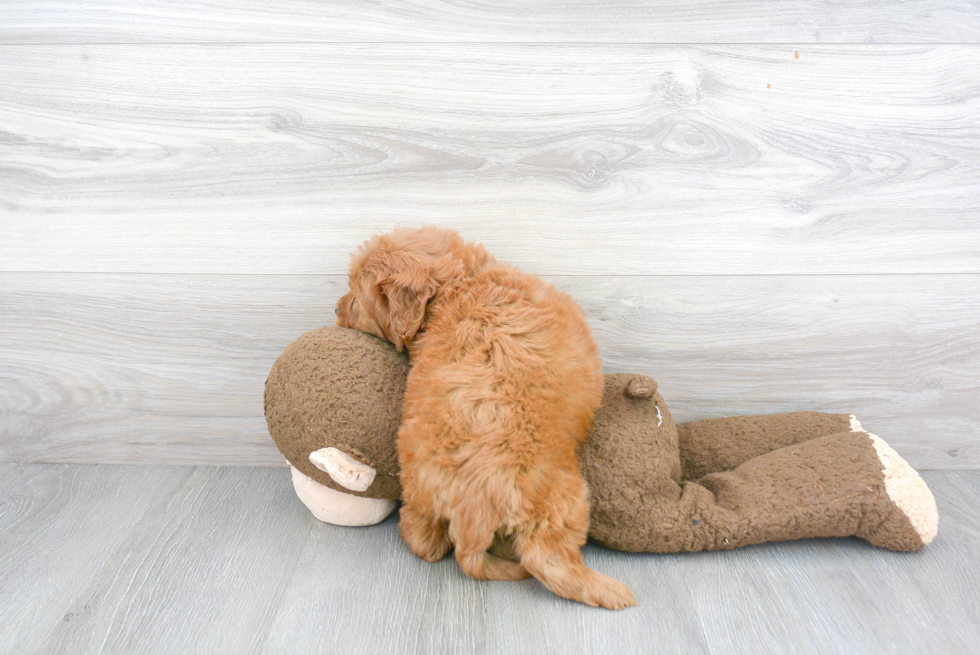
[407, 293]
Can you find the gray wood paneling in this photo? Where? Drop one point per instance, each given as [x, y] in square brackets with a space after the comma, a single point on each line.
[170, 369]
[726, 21]
[565, 159]
[156, 559]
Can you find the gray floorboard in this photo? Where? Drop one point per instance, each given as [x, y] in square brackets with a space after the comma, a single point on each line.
[157, 559]
[204, 571]
[59, 526]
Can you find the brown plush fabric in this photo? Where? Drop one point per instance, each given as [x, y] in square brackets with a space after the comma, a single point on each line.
[828, 486]
[831, 486]
[340, 388]
[629, 460]
[759, 478]
[723, 444]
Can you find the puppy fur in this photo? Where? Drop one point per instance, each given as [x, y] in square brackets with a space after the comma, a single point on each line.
[505, 377]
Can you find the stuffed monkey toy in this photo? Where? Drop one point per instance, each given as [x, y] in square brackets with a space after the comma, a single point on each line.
[333, 405]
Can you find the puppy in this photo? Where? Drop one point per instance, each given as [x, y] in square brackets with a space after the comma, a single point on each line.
[505, 377]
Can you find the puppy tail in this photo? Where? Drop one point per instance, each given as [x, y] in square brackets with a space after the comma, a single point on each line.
[484, 566]
[472, 533]
[559, 567]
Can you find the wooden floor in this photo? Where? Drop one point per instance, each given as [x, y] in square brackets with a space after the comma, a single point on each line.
[172, 559]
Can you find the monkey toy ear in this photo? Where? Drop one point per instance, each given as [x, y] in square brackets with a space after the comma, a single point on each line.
[641, 386]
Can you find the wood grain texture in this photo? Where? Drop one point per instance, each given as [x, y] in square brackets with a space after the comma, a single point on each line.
[564, 159]
[812, 596]
[956, 497]
[384, 600]
[206, 560]
[534, 620]
[203, 572]
[823, 596]
[59, 526]
[725, 21]
[170, 369]
[427, 608]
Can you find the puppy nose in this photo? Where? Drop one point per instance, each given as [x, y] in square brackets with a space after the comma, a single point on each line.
[336, 310]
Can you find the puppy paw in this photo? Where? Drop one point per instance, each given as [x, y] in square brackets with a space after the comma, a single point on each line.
[427, 537]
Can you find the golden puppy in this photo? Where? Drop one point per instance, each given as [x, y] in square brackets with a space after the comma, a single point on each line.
[505, 377]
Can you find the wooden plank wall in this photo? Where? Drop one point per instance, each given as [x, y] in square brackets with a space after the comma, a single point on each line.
[766, 207]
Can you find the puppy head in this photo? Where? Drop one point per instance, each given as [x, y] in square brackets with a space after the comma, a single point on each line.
[392, 279]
